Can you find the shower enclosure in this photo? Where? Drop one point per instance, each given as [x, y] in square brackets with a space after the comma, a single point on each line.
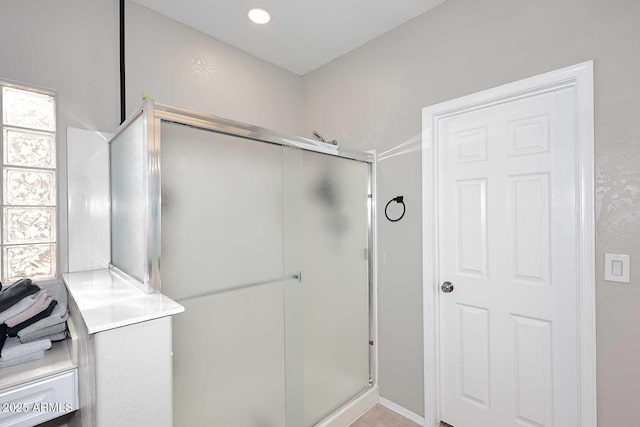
[267, 242]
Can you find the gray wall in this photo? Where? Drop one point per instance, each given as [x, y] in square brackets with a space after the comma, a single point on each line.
[70, 46]
[181, 66]
[372, 98]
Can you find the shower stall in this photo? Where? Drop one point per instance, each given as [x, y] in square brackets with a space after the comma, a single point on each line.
[267, 241]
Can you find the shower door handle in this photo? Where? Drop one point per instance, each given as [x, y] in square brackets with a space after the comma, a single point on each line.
[297, 276]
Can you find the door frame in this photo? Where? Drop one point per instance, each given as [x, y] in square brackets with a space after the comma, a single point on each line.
[579, 77]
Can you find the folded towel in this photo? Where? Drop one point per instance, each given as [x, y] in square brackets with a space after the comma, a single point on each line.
[59, 315]
[60, 336]
[27, 334]
[55, 319]
[58, 291]
[14, 349]
[28, 358]
[19, 307]
[12, 332]
[41, 304]
[15, 292]
[3, 335]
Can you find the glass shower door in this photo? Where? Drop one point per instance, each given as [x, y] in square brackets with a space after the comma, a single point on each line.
[334, 240]
[327, 319]
[223, 259]
[242, 222]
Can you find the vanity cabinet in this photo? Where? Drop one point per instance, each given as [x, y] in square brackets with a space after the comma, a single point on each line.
[123, 348]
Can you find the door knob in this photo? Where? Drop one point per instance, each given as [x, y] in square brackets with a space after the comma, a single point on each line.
[447, 287]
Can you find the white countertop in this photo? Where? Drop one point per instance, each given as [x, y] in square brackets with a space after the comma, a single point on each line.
[108, 301]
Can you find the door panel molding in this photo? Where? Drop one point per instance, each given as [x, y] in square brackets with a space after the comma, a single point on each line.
[580, 78]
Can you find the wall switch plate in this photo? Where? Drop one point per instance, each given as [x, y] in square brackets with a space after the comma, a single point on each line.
[616, 268]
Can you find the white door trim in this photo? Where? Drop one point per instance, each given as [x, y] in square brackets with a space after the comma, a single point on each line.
[580, 77]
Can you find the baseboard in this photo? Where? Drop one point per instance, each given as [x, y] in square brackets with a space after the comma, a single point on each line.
[353, 410]
[402, 411]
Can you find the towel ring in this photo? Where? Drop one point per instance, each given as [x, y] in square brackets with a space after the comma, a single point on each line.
[400, 200]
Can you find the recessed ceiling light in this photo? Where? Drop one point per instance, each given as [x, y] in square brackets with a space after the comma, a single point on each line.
[259, 16]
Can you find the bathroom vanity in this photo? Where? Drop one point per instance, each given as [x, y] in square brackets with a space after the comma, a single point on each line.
[122, 347]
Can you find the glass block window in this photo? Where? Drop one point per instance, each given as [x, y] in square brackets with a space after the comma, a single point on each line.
[28, 197]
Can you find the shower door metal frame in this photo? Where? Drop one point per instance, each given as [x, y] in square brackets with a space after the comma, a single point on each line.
[155, 113]
[151, 196]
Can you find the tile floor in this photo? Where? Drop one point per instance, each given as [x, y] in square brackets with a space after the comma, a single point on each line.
[379, 416]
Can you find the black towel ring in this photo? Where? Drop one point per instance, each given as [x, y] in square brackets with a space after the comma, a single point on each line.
[398, 199]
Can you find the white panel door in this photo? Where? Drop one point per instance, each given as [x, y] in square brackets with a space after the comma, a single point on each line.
[507, 243]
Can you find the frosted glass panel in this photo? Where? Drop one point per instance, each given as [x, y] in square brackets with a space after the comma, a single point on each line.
[236, 213]
[33, 261]
[128, 200]
[221, 211]
[29, 187]
[334, 241]
[27, 148]
[229, 359]
[293, 295]
[28, 109]
[29, 225]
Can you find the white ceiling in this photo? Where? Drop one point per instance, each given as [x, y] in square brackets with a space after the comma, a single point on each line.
[303, 34]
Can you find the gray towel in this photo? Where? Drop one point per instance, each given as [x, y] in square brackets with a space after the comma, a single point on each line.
[19, 307]
[60, 336]
[55, 319]
[24, 359]
[59, 315]
[41, 304]
[15, 292]
[41, 333]
[14, 349]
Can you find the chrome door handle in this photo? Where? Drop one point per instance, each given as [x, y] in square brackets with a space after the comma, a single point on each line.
[447, 287]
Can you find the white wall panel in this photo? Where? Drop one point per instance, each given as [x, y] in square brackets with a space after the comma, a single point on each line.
[88, 199]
